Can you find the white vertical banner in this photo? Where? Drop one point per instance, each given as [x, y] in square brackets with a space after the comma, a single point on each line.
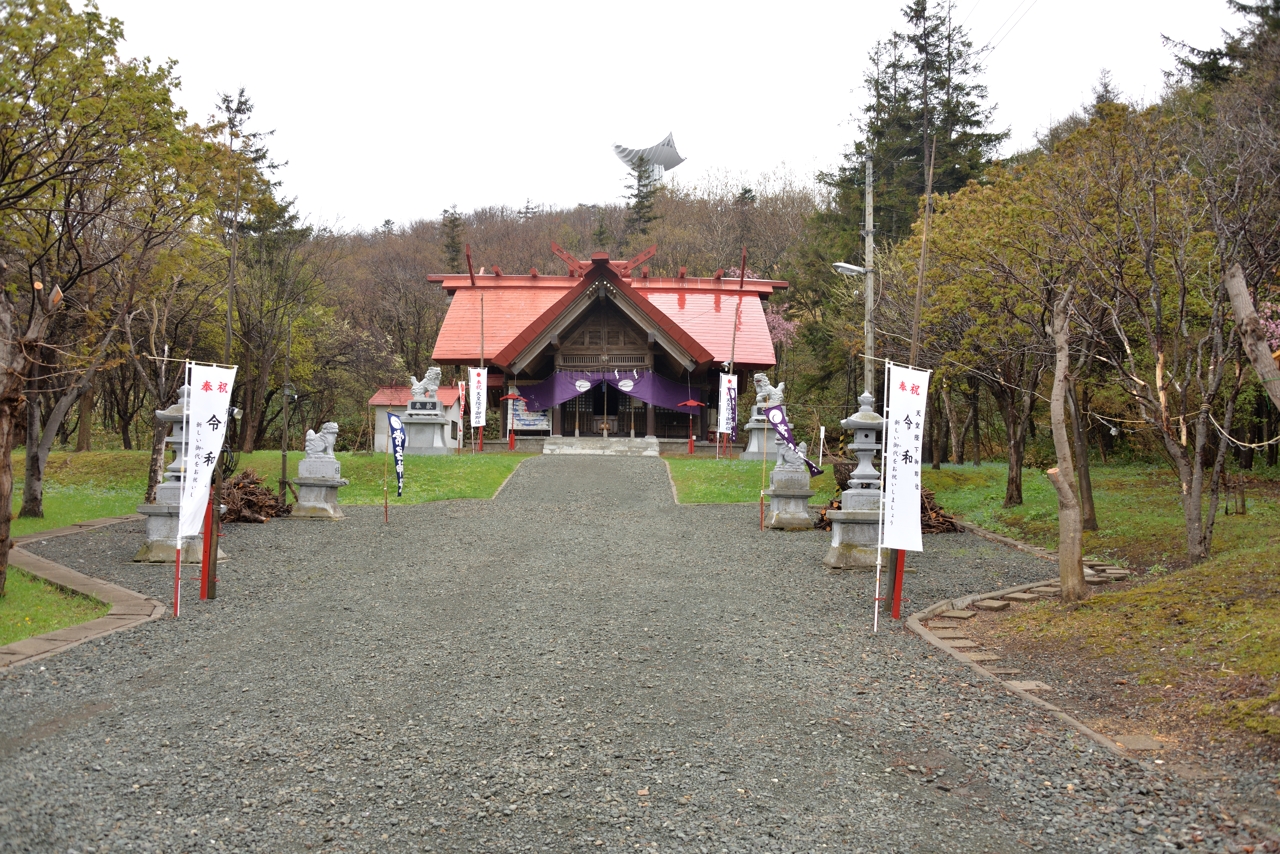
[208, 407]
[727, 417]
[904, 426]
[478, 383]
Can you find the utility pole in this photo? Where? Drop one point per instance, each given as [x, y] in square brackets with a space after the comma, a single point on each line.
[869, 253]
[924, 256]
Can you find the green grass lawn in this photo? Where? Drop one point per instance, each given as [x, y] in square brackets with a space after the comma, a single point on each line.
[1210, 630]
[31, 606]
[425, 478]
[706, 480]
[93, 484]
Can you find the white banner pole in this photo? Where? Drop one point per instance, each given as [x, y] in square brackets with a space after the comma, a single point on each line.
[884, 468]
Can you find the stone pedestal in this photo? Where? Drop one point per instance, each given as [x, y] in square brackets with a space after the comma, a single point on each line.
[759, 434]
[855, 527]
[162, 528]
[789, 495]
[854, 532]
[318, 481]
[425, 428]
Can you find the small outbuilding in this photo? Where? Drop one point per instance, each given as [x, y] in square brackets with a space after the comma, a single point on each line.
[396, 399]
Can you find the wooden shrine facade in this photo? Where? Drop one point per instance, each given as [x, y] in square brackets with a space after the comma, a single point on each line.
[610, 317]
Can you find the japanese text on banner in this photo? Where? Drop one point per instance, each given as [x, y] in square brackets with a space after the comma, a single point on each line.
[208, 408]
[904, 423]
[397, 449]
[478, 383]
[727, 419]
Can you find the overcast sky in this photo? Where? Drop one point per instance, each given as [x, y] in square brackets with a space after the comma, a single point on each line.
[395, 110]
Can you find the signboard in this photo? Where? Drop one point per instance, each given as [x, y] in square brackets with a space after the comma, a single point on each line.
[523, 419]
[727, 417]
[205, 426]
[904, 429]
[478, 386]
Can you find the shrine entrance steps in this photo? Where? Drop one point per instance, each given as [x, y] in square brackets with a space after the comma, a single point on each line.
[621, 446]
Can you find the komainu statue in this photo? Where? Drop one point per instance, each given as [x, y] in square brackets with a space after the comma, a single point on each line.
[321, 444]
[427, 386]
[766, 394]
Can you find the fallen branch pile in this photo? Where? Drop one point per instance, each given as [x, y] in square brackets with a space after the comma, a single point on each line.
[933, 519]
[247, 500]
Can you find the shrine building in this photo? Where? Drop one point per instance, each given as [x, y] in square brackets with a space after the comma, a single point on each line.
[607, 350]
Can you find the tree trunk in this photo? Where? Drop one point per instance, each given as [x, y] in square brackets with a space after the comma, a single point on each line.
[1088, 514]
[1070, 536]
[155, 470]
[957, 444]
[975, 394]
[126, 434]
[84, 437]
[6, 486]
[1250, 329]
[33, 471]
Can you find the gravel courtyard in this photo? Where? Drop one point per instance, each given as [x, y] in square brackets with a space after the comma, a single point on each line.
[577, 665]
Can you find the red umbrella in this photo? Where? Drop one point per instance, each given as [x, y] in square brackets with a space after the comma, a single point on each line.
[691, 403]
[511, 436]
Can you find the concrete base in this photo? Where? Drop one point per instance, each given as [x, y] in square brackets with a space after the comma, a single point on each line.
[788, 510]
[164, 551]
[854, 531]
[620, 447]
[425, 434]
[317, 498]
[162, 531]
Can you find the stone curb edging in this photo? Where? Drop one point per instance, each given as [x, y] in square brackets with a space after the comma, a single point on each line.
[915, 625]
[128, 608]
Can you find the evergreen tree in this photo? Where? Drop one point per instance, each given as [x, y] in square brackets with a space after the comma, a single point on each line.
[451, 223]
[642, 200]
[1212, 67]
[923, 86]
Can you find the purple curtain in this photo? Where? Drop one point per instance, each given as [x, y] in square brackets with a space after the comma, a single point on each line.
[642, 385]
[651, 388]
[558, 388]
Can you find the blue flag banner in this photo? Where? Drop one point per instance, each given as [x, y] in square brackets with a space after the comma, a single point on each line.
[778, 419]
[397, 449]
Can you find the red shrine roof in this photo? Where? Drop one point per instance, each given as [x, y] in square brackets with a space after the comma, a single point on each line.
[400, 395]
[697, 313]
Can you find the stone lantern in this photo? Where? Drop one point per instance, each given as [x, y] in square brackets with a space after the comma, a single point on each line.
[855, 527]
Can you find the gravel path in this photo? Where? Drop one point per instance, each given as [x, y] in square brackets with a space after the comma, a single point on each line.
[579, 664]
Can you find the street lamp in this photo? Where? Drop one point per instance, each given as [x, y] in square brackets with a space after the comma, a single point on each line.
[868, 328]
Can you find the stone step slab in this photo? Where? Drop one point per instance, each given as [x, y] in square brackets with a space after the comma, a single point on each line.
[1046, 591]
[958, 615]
[1028, 685]
[944, 624]
[1096, 580]
[979, 657]
[1138, 742]
[960, 644]
[991, 605]
[948, 634]
[1022, 597]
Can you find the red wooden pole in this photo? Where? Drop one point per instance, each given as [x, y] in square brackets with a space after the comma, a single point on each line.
[898, 570]
[691, 434]
[204, 551]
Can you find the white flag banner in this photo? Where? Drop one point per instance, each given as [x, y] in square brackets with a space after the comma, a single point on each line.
[208, 407]
[478, 382]
[727, 418]
[904, 424]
